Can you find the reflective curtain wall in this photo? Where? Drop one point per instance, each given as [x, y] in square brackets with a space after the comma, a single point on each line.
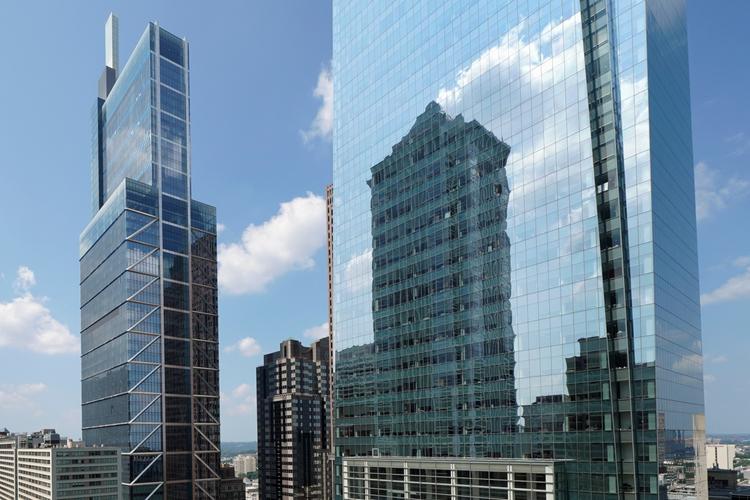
[515, 265]
[149, 338]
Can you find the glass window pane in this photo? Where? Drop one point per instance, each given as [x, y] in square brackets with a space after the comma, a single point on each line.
[175, 267]
[173, 156]
[172, 102]
[170, 47]
[176, 324]
[176, 295]
[172, 75]
[175, 238]
[174, 183]
[173, 129]
[174, 210]
[176, 352]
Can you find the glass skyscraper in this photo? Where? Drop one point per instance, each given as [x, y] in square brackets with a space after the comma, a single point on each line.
[515, 263]
[149, 333]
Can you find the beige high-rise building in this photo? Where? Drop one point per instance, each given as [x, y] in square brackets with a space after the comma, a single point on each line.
[328, 460]
[244, 464]
[720, 456]
[8, 469]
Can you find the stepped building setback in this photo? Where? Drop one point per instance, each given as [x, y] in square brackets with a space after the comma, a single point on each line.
[149, 323]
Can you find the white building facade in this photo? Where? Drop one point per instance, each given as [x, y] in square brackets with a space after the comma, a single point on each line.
[57, 473]
[720, 456]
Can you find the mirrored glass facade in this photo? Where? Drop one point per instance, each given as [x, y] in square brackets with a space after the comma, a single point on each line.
[149, 324]
[515, 264]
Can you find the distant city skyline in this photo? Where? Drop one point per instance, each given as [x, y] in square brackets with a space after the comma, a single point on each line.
[266, 168]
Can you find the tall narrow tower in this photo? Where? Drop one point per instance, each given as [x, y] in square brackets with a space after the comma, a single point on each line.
[149, 324]
[292, 395]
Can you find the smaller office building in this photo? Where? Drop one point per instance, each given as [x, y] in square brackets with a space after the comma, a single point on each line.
[292, 421]
[244, 464]
[720, 456]
[8, 447]
[55, 473]
[231, 487]
[382, 478]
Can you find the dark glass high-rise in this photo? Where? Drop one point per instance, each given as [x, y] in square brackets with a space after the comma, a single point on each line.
[292, 408]
[149, 324]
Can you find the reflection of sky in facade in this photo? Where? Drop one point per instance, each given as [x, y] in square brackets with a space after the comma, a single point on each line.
[127, 144]
[530, 90]
[518, 69]
[148, 293]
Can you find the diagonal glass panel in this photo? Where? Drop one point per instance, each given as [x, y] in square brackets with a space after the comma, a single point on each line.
[150, 352]
[149, 294]
[206, 409]
[201, 468]
[206, 490]
[149, 323]
[143, 259]
[137, 312]
[206, 437]
[148, 235]
[144, 378]
[152, 414]
[146, 468]
[135, 222]
[147, 491]
[139, 402]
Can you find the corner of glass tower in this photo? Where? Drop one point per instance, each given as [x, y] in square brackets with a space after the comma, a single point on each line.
[516, 272]
[149, 324]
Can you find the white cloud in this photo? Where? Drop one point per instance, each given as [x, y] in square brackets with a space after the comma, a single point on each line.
[691, 364]
[740, 142]
[517, 57]
[220, 228]
[714, 193]
[708, 378]
[240, 401]
[25, 279]
[26, 323]
[529, 59]
[316, 332]
[248, 347]
[715, 358]
[16, 397]
[285, 242]
[241, 391]
[358, 272]
[736, 287]
[322, 124]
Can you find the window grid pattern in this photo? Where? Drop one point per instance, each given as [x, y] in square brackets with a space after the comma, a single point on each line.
[142, 390]
[569, 87]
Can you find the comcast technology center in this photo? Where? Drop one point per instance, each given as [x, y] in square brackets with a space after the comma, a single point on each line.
[149, 363]
[515, 271]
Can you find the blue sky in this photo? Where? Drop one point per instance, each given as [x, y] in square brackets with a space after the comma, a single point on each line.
[262, 154]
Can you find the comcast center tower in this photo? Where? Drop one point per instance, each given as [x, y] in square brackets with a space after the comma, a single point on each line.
[149, 325]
